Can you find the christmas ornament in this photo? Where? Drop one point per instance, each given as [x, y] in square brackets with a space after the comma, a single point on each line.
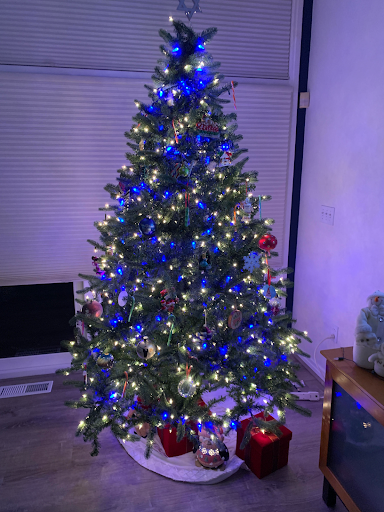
[122, 299]
[207, 128]
[169, 299]
[205, 261]
[205, 334]
[170, 100]
[267, 242]
[209, 455]
[104, 360]
[269, 291]
[147, 226]
[186, 387]
[92, 308]
[124, 189]
[189, 12]
[180, 169]
[97, 269]
[275, 306]
[225, 158]
[141, 145]
[234, 319]
[145, 348]
[251, 262]
[247, 208]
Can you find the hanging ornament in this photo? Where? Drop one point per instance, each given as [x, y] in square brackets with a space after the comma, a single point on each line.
[186, 216]
[269, 291]
[275, 306]
[233, 94]
[142, 428]
[122, 299]
[187, 387]
[205, 334]
[129, 323]
[234, 319]
[104, 360]
[247, 209]
[251, 262]
[92, 308]
[208, 128]
[145, 348]
[141, 145]
[124, 189]
[225, 158]
[169, 299]
[180, 169]
[147, 226]
[185, 171]
[171, 319]
[97, 269]
[267, 242]
[205, 262]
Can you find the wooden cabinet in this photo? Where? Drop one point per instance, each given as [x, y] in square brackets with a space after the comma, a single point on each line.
[352, 434]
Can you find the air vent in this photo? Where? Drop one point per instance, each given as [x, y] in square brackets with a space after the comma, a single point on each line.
[32, 388]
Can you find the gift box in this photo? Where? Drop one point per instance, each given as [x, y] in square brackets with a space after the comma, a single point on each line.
[168, 437]
[265, 452]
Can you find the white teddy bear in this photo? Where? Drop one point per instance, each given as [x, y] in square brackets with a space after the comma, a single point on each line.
[369, 331]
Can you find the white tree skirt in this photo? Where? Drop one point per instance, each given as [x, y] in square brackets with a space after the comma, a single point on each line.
[183, 467]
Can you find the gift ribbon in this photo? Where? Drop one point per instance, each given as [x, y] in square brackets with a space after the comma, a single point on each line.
[172, 319]
[125, 383]
[233, 94]
[174, 129]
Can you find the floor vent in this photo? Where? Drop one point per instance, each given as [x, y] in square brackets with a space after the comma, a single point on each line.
[33, 388]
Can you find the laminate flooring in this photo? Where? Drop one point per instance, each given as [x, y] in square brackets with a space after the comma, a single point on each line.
[45, 468]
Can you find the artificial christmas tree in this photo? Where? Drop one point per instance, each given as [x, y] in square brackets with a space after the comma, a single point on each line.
[183, 269]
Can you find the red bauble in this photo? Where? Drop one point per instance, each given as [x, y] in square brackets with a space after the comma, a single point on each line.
[267, 242]
[92, 308]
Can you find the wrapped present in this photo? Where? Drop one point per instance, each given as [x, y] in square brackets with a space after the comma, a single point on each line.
[265, 452]
[168, 437]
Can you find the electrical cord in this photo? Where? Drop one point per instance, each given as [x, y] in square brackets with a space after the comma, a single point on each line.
[331, 337]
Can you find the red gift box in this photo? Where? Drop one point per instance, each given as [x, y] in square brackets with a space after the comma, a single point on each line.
[265, 453]
[168, 437]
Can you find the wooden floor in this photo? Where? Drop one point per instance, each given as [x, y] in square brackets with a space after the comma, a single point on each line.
[45, 468]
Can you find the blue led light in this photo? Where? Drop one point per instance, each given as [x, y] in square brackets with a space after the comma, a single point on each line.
[169, 148]
[207, 160]
[120, 219]
[201, 47]
[121, 201]
[163, 258]
[204, 345]
[176, 49]
[338, 393]
[172, 245]
[223, 351]
[158, 318]
[112, 395]
[138, 327]
[167, 194]
[216, 249]
[161, 127]
[161, 93]
[284, 357]
[250, 326]
[119, 270]
[233, 424]
[179, 279]
[203, 282]
[122, 288]
[113, 322]
[136, 190]
[201, 205]
[267, 362]
[358, 405]
[150, 109]
[244, 377]
[255, 369]
[193, 245]
[144, 263]
[240, 339]
[165, 415]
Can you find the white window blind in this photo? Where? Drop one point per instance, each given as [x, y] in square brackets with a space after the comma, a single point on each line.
[62, 139]
[253, 38]
[62, 135]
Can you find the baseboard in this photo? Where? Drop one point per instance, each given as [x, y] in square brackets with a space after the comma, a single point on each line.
[26, 366]
[309, 364]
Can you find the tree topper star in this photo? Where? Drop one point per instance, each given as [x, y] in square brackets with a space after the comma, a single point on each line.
[189, 12]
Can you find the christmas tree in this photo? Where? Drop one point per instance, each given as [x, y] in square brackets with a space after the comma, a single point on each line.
[189, 299]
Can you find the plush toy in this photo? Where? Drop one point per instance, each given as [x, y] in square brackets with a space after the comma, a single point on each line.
[378, 360]
[141, 429]
[369, 330]
[209, 454]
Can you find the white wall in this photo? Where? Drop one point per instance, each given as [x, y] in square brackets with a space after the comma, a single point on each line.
[338, 266]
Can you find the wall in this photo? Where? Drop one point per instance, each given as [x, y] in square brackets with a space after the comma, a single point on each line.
[338, 266]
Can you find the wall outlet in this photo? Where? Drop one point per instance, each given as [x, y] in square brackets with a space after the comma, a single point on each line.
[327, 214]
[335, 332]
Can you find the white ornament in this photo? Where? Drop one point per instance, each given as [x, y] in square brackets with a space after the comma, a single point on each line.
[122, 299]
[251, 262]
[369, 331]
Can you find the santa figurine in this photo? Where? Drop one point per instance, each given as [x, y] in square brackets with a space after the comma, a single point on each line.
[369, 331]
[209, 455]
[169, 299]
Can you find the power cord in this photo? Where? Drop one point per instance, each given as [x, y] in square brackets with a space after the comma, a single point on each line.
[331, 337]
